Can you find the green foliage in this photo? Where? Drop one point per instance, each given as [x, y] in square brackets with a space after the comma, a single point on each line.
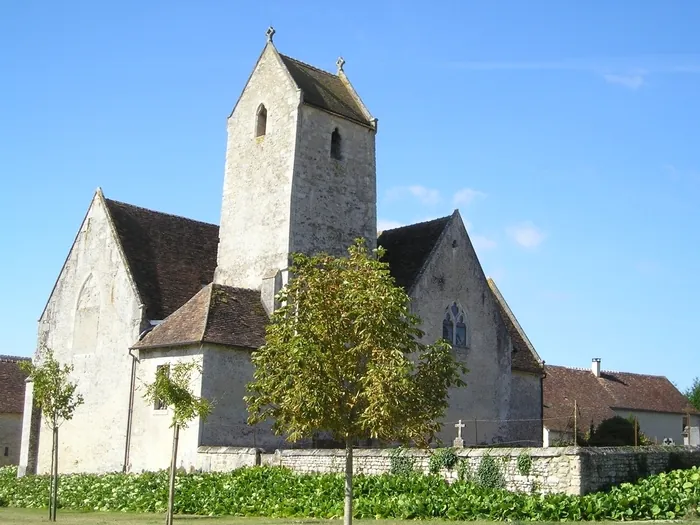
[53, 393]
[336, 356]
[693, 393]
[464, 471]
[401, 464]
[615, 432]
[277, 492]
[524, 464]
[172, 387]
[489, 473]
[442, 458]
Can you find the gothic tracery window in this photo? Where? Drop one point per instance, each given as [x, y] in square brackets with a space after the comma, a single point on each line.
[455, 326]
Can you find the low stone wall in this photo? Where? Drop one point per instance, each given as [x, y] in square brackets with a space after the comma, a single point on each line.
[572, 470]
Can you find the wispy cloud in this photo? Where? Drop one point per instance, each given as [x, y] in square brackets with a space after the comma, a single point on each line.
[385, 224]
[482, 243]
[526, 235]
[631, 81]
[426, 196]
[629, 72]
[466, 196]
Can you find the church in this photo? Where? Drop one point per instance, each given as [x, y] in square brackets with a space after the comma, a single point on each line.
[141, 289]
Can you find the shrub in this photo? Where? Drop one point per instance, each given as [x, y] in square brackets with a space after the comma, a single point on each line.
[278, 492]
[400, 463]
[616, 432]
[524, 464]
[442, 458]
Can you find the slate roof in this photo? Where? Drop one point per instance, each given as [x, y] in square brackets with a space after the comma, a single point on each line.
[170, 257]
[12, 383]
[325, 90]
[409, 247]
[524, 357]
[597, 397]
[216, 314]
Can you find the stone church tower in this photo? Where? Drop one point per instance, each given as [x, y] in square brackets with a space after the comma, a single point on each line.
[300, 172]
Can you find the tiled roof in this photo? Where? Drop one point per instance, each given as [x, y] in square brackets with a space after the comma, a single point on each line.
[324, 90]
[525, 357]
[170, 257]
[216, 314]
[11, 384]
[596, 397]
[408, 248]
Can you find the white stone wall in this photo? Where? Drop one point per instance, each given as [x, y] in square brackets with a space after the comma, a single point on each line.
[255, 222]
[525, 428]
[92, 317]
[152, 435]
[227, 372]
[333, 201]
[455, 274]
[225, 459]
[659, 425]
[10, 438]
[551, 470]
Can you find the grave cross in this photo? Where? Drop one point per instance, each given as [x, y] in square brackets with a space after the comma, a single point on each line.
[459, 426]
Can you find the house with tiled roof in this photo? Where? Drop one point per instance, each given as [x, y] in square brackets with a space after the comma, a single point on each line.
[12, 383]
[663, 413]
[141, 289]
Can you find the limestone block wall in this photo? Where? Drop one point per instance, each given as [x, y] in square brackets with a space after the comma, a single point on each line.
[454, 274]
[10, 438]
[569, 470]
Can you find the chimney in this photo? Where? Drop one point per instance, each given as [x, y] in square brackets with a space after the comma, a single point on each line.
[595, 366]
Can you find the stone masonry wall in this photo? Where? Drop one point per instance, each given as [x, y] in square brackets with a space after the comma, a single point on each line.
[552, 470]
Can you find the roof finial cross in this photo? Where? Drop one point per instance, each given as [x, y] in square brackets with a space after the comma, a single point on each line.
[270, 33]
[340, 63]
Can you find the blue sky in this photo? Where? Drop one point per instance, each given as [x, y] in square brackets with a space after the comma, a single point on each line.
[566, 133]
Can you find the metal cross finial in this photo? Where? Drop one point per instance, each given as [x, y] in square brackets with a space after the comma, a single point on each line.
[340, 63]
[459, 426]
[270, 33]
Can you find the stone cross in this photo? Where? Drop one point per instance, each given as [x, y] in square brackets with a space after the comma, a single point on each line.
[458, 441]
[340, 63]
[270, 33]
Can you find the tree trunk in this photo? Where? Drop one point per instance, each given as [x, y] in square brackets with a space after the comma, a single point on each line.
[51, 479]
[347, 518]
[173, 468]
[55, 473]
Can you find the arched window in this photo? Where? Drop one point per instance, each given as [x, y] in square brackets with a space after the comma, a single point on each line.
[335, 144]
[455, 326]
[261, 121]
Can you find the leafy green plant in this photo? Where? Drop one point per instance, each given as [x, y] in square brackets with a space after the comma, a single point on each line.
[442, 458]
[489, 473]
[400, 463]
[276, 492]
[464, 471]
[524, 464]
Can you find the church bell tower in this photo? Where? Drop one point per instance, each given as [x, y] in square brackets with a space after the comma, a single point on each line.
[300, 172]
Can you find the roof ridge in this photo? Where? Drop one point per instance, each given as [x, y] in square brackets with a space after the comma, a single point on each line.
[13, 358]
[206, 315]
[308, 65]
[446, 217]
[160, 212]
[582, 369]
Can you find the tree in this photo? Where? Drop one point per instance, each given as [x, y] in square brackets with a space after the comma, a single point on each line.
[342, 355]
[57, 399]
[617, 431]
[171, 388]
[693, 393]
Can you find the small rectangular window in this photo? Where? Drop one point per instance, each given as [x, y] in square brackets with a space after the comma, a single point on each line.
[686, 423]
[7, 451]
[160, 404]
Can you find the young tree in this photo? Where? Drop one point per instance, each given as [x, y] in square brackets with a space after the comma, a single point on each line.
[693, 393]
[342, 356]
[55, 396]
[171, 388]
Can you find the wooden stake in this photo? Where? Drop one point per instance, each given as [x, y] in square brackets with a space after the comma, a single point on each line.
[575, 423]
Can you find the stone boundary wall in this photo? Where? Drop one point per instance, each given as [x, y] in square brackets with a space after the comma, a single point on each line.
[571, 470]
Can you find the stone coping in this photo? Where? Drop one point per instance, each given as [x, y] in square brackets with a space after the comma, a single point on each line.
[227, 450]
